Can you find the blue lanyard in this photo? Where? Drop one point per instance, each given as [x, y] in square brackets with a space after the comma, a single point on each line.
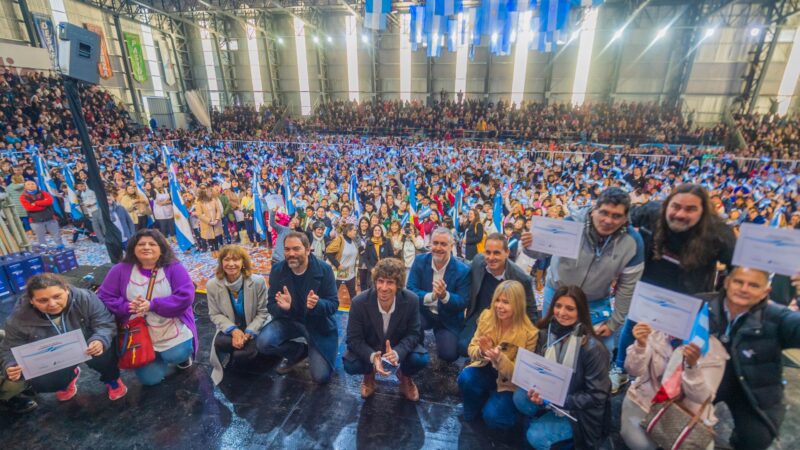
[63, 329]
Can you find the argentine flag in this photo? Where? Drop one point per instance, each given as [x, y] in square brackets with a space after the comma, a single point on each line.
[700, 334]
[183, 230]
[258, 207]
[46, 184]
[73, 203]
[354, 195]
[497, 212]
[287, 187]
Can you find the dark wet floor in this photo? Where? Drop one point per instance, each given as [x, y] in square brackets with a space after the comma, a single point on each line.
[258, 408]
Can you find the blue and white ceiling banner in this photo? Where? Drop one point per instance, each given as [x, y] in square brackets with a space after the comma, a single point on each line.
[375, 12]
[493, 22]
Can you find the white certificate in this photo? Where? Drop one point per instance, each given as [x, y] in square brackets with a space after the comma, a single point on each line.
[770, 249]
[51, 354]
[549, 378]
[275, 201]
[665, 310]
[556, 237]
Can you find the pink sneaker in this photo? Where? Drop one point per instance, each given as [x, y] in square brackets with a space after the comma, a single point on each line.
[116, 389]
[72, 389]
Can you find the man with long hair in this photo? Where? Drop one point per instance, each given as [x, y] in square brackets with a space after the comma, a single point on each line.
[684, 240]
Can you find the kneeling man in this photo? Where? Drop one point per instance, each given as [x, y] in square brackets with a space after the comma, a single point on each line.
[384, 325]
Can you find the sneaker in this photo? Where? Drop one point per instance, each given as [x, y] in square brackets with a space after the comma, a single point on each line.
[71, 389]
[19, 405]
[618, 379]
[186, 364]
[116, 389]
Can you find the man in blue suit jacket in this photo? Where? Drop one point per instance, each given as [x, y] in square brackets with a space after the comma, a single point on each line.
[443, 284]
[302, 300]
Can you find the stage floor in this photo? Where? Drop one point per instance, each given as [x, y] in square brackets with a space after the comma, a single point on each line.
[261, 409]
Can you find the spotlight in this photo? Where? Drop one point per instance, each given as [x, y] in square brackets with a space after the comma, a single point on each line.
[755, 31]
[617, 34]
[365, 38]
[280, 40]
[709, 32]
[329, 39]
[575, 35]
[494, 38]
[661, 33]
[316, 40]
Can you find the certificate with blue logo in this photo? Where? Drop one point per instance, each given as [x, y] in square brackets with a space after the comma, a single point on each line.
[51, 354]
[769, 249]
[549, 378]
[667, 311]
[556, 237]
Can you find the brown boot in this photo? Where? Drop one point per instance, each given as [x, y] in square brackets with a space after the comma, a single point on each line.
[407, 387]
[368, 385]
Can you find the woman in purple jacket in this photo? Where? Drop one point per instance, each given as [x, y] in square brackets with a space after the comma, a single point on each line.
[168, 311]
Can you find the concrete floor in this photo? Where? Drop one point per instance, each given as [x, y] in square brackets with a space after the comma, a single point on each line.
[260, 409]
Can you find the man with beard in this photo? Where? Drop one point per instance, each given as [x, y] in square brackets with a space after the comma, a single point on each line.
[684, 240]
[302, 300]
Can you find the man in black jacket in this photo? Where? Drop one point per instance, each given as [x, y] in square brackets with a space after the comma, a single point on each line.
[302, 300]
[383, 325]
[754, 332]
[487, 271]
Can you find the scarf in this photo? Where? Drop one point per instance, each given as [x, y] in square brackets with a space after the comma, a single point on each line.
[234, 287]
[563, 342]
[377, 242]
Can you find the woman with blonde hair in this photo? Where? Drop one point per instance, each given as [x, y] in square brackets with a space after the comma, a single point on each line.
[485, 383]
[209, 210]
[137, 205]
[237, 305]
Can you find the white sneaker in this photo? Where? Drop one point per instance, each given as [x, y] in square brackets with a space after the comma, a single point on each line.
[186, 364]
[618, 379]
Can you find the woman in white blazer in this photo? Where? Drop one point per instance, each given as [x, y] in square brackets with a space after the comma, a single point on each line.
[237, 304]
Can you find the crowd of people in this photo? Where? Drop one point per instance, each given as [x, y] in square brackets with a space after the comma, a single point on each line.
[622, 122]
[425, 234]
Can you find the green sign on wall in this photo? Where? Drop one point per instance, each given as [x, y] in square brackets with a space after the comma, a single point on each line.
[136, 57]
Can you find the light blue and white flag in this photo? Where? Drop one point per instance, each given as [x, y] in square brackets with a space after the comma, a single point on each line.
[46, 184]
[183, 229]
[700, 333]
[258, 207]
[72, 204]
[354, 195]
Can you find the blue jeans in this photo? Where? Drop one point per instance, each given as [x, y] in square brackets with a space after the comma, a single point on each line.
[276, 339]
[413, 363]
[625, 341]
[478, 386]
[154, 373]
[446, 340]
[544, 430]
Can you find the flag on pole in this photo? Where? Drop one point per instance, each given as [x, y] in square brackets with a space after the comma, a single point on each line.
[139, 180]
[258, 207]
[72, 204]
[46, 184]
[354, 195]
[776, 220]
[375, 12]
[183, 229]
[459, 204]
[497, 212]
[287, 188]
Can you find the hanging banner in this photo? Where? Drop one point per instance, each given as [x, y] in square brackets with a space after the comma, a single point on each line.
[47, 36]
[133, 44]
[104, 63]
[166, 62]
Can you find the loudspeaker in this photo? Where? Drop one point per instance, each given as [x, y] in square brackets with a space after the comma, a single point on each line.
[78, 52]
